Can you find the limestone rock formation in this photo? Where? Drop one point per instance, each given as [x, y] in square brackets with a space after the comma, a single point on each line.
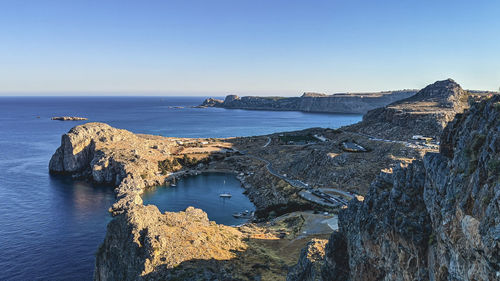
[106, 154]
[437, 219]
[426, 113]
[313, 102]
[310, 262]
[210, 102]
[144, 244]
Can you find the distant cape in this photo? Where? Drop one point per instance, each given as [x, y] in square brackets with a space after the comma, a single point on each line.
[355, 103]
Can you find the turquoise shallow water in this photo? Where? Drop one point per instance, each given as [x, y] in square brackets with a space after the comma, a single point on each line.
[50, 227]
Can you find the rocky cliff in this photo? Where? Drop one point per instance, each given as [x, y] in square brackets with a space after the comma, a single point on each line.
[106, 154]
[144, 244]
[357, 103]
[436, 219]
[426, 113]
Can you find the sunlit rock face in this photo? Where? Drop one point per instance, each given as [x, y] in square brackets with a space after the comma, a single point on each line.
[426, 113]
[313, 102]
[437, 219]
[310, 261]
[108, 155]
[144, 244]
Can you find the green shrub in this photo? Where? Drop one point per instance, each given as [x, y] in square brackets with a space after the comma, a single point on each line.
[432, 239]
[167, 165]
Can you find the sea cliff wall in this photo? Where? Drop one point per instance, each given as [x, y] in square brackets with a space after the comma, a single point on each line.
[436, 219]
[310, 102]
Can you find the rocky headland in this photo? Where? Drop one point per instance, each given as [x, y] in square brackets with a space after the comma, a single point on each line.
[356, 103]
[436, 219]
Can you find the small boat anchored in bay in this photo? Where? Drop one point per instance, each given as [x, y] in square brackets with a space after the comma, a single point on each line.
[225, 195]
[244, 215]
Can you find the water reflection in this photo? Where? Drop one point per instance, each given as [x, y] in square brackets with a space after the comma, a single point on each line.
[82, 199]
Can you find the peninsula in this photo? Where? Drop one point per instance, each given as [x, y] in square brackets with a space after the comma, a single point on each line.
[355, 103]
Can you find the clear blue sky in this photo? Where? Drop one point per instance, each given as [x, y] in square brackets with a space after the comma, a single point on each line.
[245, 47]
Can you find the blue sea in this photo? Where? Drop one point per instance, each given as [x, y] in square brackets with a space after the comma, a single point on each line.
[50, 227]
[202, 191]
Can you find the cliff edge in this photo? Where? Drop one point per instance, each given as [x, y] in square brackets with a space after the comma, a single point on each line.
[144, 244]
[436, 219]
[354, 103]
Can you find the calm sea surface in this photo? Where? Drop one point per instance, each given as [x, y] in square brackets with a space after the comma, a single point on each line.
[203, 191]
[50, 227]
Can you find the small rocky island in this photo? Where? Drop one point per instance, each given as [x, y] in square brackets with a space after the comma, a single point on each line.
[68, 118]
[403, 208]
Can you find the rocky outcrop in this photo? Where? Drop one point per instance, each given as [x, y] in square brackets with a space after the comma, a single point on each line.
[210, 102]
[387, 234]
[437, 219]
[462, 196]
[68, 118]
[425, 113]
[144, 244]
[106, 154]
[310, 262]
[358, 103]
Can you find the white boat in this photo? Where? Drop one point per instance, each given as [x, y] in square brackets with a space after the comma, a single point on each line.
[225, 194]
[244, 215]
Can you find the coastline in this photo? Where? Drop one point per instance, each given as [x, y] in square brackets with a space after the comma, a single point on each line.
[129, 161]
[348, 103]
[274, 170]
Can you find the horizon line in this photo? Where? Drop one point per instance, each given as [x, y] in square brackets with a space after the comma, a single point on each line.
[184, 94]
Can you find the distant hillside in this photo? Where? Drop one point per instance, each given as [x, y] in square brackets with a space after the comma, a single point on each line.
[358, 103]
[425, 113]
